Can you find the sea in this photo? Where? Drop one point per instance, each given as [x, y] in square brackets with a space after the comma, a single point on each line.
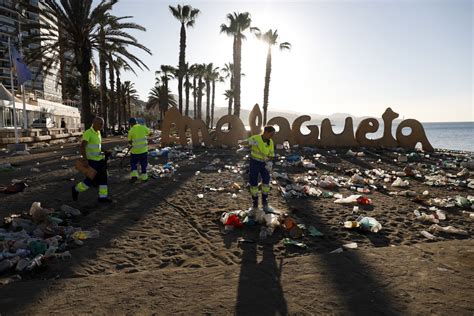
[446, 135]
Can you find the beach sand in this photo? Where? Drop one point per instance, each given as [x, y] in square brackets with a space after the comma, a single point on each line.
[162, 250]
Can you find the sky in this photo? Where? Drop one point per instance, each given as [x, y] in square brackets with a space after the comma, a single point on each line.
[356, 57]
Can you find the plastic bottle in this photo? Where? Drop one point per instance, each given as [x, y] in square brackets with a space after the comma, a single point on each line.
[348, 200]
[85, 234]
[363, 190]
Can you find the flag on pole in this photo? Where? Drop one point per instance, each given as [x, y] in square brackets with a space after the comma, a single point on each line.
[22, 72]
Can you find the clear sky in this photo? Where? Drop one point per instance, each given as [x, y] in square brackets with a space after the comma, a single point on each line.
[353, 57]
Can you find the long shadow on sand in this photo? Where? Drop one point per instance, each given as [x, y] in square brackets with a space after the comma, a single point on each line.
[116, 223]
[351, 276]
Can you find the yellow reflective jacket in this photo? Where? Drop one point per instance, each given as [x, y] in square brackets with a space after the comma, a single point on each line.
[93, 147]
[259, 149]
[138, 135]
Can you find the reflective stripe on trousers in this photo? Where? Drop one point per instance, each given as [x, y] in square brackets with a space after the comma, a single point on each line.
[81, 187]
[103, 191]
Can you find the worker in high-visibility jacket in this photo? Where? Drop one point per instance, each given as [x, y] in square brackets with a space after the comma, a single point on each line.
[262, 152]
[91, 151]
[137, 137]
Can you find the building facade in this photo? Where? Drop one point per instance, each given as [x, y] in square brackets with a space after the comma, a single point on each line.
[12, 19]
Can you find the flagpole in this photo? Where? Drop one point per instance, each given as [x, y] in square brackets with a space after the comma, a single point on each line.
[13, 90]
[25, 116]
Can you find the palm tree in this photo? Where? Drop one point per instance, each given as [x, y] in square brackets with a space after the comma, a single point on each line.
[187, 85]
[207, 78]
[238, 23]
[200, 70]
[214, 76]
[112, 100]
[186, 15]
[79, 24]
[160, 98]
[165, 74]
[228, 73]
[193, 71]
[129, 93]
[271, 38]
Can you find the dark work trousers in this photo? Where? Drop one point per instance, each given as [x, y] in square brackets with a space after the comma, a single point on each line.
[139, 158]
[101, 177]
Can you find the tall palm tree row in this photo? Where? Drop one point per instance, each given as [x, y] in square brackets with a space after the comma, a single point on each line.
[238, 24]
[271, 39]
[228, 73]
[79, 22]
[186, 15]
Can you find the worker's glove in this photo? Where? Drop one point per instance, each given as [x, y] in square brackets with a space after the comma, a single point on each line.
[269, 166]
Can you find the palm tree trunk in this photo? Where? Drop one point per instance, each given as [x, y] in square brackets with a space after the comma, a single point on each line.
[119, 100]
[208, 103]
[237, 72]
[103, 92]
[231, 98]
[182, 49]
[194, 97]
[199, 106]
[266, 88]
[186, 110]
[124, 109]
[129, 105]
[213, 99]
[113, 104]
[84, 69]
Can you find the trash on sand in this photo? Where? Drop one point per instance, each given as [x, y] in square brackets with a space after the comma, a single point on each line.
[291, 242]
[314, 232]
[421, 216]
[400, 183]
[200, 195]
[427, 235]
[352, 245]
[14, 187]
[369, 224]
[338, 250]
[242, 240]
[448, 229]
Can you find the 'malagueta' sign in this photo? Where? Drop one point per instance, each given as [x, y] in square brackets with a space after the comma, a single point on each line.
[325, 138]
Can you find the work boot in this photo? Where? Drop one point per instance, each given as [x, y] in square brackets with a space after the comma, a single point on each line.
[133, 179]
[75, 194]
[104, 200]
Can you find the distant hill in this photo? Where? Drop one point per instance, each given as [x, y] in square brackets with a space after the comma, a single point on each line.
[316, 119]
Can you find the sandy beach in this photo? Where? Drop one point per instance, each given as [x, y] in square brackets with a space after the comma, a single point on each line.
[163, 250]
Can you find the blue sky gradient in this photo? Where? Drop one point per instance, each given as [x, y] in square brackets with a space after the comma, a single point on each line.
[353, 57]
